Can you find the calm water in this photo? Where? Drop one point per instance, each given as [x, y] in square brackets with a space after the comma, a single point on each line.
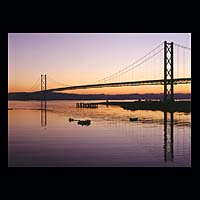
[110, 140]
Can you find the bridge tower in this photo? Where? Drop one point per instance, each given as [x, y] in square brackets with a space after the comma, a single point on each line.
[168, 72]
[43, 82]
[43, 100]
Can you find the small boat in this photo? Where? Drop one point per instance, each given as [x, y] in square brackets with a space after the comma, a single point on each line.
[133, 119]
[84, 122]
[81, 122]
[71, 120]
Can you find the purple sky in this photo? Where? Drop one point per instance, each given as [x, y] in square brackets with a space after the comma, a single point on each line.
[77, 58]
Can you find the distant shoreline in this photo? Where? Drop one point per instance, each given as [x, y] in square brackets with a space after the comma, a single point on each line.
[111, 100]
[24, 96]
[177, 106]
[189, 100]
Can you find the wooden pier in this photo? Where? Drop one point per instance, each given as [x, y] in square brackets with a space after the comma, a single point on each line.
[86, 105]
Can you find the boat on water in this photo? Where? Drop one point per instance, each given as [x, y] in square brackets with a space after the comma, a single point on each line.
[132, 119]
[81, 122]
[84, 122]
[71, 120]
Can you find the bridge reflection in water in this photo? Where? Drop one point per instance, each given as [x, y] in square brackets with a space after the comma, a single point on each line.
[43, 109]
[168, 137]
[168, 144]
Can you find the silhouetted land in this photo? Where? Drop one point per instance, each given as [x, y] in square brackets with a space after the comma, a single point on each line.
[177, 106]
[68, 96]
[181, 106]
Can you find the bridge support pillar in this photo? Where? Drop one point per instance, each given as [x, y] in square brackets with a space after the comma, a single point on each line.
[43, 82]
[43, 100]
[168, 72]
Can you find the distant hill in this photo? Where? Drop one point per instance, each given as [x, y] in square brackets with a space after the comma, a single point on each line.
[68, 96]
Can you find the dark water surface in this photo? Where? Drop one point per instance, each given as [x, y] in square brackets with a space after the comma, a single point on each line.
[156, 139]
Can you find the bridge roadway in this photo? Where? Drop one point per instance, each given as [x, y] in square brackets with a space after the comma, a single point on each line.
[119, 84]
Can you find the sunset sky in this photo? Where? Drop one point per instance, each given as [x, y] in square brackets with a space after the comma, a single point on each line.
[82, 58]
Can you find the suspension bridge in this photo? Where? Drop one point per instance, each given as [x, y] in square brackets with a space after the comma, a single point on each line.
[168, 64]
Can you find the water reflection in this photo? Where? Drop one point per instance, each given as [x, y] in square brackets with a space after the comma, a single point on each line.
[168, 145]
[168, 137]
[43, 109]
[156, 139]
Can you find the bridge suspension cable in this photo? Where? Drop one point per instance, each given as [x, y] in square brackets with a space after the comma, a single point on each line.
[132, 65]
[57, 82]
[184, 47]
[140, 63]
[35, 85]
[182, 61]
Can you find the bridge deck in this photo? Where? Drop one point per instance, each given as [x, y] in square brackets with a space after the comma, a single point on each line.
[119, 84]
